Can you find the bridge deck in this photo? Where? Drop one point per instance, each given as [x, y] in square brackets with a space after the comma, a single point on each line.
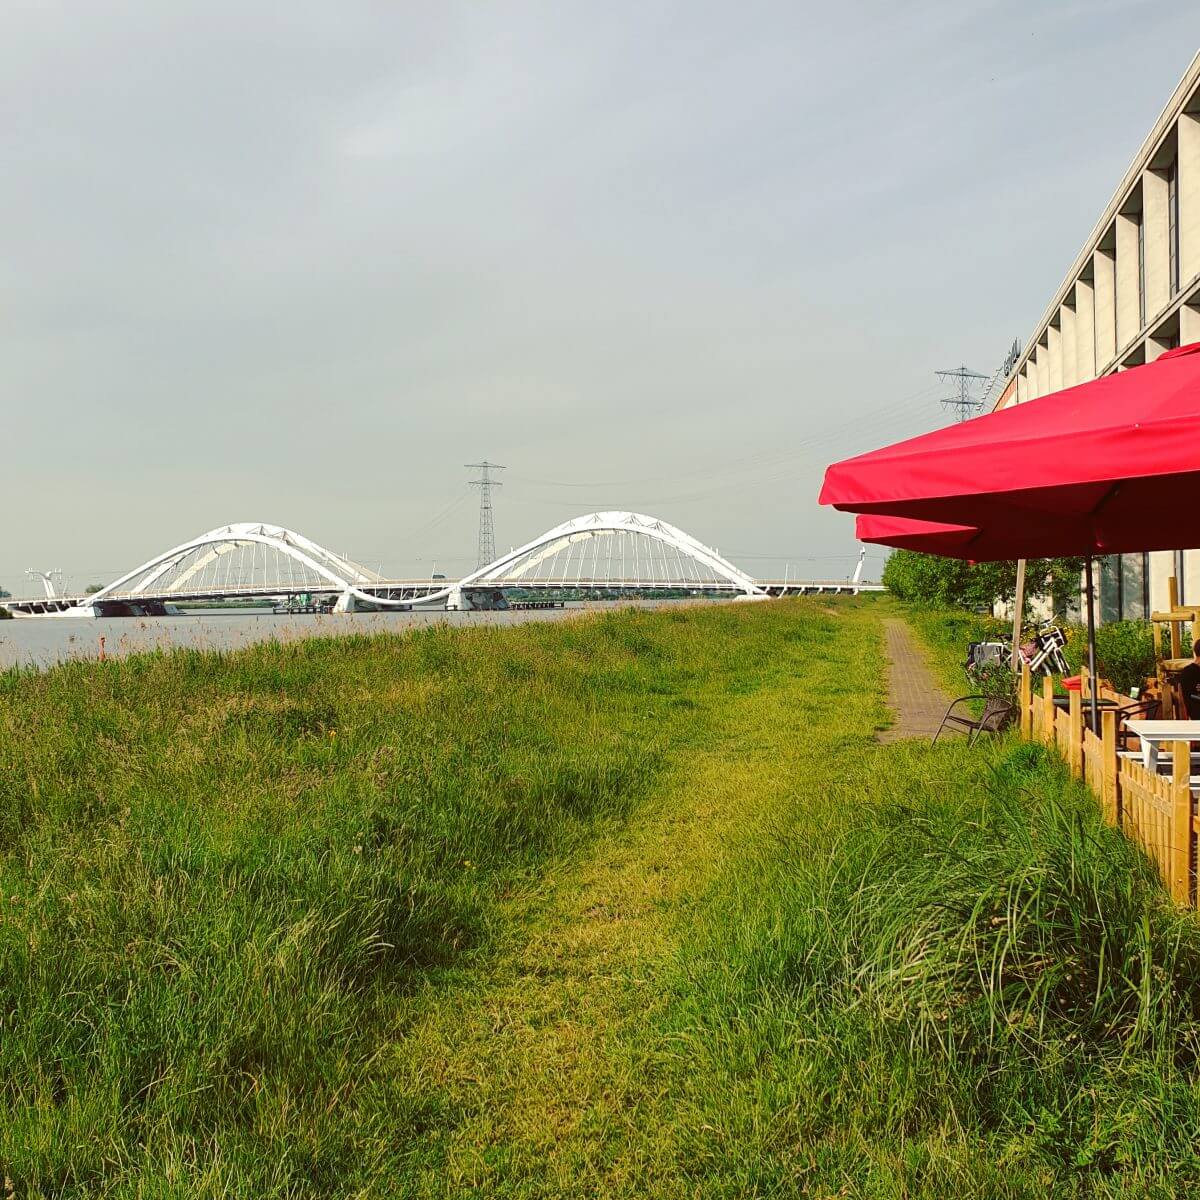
[416, 589]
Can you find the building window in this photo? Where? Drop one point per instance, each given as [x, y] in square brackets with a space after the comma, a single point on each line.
[1173, 226]
[1135, 587]
[1110, 588]
[1141, 230]
[1125, 587]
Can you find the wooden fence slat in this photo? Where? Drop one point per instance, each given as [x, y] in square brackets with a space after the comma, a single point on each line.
[1062, 735]
[1093, 762]
[1075, 734]
[1048, 710]
[1110, 796]
[1181, 822]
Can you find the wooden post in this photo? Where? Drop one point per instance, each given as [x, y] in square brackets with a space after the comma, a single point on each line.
[1181, 822]
[1048, 710]
[1075, 745]
[1166, 695]
[1026, 701]
[1018, 612]
[1176, 626]
[1110, 800]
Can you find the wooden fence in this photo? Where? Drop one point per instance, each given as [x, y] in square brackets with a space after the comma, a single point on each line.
[1156, 811]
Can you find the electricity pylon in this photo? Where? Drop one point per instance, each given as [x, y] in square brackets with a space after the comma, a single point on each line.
[485, 551]
[962, 401]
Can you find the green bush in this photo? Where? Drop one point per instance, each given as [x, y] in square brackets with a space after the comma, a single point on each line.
[1124, 649]
[1124, 652]
[928, 579]
[952, 628]
[996, 679]
[931, 579]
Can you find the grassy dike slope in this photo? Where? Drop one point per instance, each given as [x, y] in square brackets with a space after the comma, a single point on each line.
[230, 884]
[630, 906]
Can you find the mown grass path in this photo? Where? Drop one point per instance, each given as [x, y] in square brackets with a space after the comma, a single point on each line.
[817, 965]
[557, 1066]
[543, 1059]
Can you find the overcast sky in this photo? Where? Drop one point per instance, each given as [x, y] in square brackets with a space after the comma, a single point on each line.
[301, 262]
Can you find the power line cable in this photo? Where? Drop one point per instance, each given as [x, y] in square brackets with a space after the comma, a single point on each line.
[749, 462]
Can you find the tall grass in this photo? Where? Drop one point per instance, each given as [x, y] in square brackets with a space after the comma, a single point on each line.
[939, 973]
[224, 879]
[237, 891]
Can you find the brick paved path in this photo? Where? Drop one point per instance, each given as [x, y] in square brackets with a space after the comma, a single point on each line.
[914, 695]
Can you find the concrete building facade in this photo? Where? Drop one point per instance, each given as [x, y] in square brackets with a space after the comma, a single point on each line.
[1132, 292]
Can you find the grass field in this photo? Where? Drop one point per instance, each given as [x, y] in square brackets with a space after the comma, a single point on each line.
[629, 906]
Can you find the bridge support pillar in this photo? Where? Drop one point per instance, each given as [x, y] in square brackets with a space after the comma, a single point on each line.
[346, 603]
[458, 599]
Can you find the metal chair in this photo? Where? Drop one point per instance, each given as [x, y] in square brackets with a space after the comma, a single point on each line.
[1144, 710]
[997, 715]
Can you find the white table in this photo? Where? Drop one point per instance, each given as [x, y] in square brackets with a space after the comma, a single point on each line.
[1154, 733]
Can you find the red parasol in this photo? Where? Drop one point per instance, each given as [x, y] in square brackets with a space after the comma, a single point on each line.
[907, 534]
[1103, 468]
[1106, 467]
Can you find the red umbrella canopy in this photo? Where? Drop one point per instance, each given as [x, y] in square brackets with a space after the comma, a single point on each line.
[995, 544]
[906, 534]
[1106, 467]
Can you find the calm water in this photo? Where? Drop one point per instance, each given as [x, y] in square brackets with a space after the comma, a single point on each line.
[43, 641]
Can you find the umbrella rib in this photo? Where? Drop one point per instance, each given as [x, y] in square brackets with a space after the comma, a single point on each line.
[1110, 493]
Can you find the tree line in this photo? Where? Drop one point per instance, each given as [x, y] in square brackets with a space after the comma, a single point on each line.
[931, 579]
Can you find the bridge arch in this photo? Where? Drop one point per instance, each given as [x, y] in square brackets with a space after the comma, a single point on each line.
[597, 550]
[615, 547]
[239, 556]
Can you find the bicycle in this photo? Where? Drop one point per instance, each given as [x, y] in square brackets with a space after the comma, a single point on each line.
[1043, 652]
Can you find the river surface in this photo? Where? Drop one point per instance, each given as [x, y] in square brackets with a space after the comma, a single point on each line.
[44, 641]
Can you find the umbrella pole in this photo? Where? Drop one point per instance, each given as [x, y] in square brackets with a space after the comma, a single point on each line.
[1091, 634]
[1018, 613]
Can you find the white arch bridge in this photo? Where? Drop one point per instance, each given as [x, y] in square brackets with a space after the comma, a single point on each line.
[600, 555]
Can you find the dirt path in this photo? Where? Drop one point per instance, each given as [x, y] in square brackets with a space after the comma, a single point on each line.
[914, 695]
